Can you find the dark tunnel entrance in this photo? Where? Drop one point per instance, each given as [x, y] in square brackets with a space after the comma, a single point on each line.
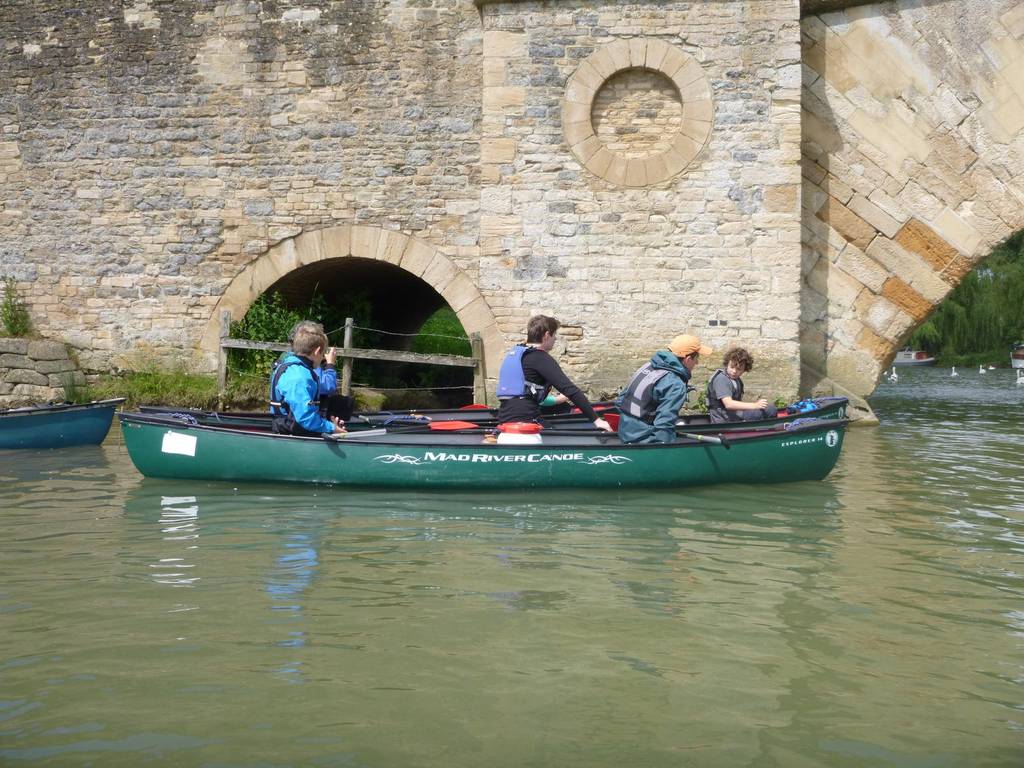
[391, 309]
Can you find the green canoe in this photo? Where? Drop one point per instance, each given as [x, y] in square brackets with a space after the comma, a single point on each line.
[819, 408]
[165, 447]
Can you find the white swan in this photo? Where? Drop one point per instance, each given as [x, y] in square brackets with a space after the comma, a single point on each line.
[991, 367]
[981, 369]
[954, 373]
[893, 378]
[1020, 375]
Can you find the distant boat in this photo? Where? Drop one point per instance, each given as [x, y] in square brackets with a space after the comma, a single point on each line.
[913, 357]
[1017, 356]
[57, 426]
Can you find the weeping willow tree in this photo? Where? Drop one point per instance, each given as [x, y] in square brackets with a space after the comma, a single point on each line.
[984, 315]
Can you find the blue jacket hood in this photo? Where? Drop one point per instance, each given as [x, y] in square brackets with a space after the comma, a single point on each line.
[665, 359]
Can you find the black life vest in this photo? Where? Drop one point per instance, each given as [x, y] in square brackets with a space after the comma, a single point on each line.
[637, 399]
[715, 402]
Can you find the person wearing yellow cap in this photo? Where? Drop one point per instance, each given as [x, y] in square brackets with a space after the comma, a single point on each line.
[651, 401]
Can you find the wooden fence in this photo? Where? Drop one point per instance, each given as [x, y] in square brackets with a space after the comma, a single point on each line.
[347, 353]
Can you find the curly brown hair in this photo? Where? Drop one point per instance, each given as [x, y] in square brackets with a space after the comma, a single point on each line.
[740, 358]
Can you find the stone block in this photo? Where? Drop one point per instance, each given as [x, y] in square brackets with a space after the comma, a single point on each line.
[619, 52]
[875, 346]
[337, 241]
[781, 198]
[498, 150]
[917, 237]
[309, 247]
[911, 268]
[493, 225]
[957, 231]
[25, 376]
[54, 366]
[851, 226]
[824, 134]
[577, 132]
[874, 215]
[13, 345]
[862, 267]
[391, 246]
[502, 44]
[47, 350]
[12, 360]
[638, 52]
[417, 256]
[906, 298]
[656, 52]
[495, 73]
[461, 292]
[440, 273]
[365, 240]
[498, 98]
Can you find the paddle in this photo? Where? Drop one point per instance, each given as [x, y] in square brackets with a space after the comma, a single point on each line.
[720, 440]
[445, 426]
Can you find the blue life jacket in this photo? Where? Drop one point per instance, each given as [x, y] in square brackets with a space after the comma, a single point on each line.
[283, 421]
[512, 380]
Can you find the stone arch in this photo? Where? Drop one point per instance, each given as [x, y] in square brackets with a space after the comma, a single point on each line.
[411, 254]
[912, 145]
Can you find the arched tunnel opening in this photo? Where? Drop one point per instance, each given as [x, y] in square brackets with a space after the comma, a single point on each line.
[392, 309]
[980, 323]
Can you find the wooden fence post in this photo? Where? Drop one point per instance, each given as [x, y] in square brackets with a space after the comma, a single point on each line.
[346, 362]
[222, 352]
[479, 373]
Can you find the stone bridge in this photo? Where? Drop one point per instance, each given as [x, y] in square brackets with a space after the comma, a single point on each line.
[809, 182]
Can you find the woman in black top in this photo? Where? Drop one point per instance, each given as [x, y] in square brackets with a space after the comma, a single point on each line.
[540, 373]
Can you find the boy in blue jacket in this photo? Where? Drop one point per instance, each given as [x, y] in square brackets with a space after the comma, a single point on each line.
[295, 387]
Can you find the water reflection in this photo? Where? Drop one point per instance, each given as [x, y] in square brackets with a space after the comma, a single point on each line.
[871, 618]
[179, 516]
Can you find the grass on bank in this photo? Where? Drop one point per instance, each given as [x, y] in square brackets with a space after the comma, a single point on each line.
[189, 390]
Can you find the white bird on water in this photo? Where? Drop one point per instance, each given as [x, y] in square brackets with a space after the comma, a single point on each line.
[981, 369]
[1020, 375]
[893, 378]
[991, 367]
[954, 373]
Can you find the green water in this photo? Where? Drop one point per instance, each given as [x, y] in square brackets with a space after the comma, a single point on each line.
[875, 618]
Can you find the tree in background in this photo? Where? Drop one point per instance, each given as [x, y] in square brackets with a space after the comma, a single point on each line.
[984, 315]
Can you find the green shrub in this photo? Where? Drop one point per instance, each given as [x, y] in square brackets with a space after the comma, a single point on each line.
[13, 311]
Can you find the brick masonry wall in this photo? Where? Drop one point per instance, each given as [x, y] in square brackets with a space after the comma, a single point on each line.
[34, 371]
[149, 153]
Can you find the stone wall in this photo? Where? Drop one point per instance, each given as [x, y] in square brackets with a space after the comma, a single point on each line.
[913, 146]
[34, 371]
[151, 154]
[704, 237]
[631, 167]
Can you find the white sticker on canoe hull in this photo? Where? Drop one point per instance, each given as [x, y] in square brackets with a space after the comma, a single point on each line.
[175, 442]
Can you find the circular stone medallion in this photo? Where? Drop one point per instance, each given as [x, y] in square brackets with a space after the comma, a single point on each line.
[637, 112]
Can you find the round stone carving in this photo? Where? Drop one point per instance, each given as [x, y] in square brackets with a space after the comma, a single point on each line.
[637, 112]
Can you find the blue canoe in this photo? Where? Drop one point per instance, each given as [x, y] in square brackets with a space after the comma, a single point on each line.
[57, 426]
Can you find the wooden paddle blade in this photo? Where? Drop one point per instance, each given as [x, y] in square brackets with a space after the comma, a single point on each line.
[440, 426]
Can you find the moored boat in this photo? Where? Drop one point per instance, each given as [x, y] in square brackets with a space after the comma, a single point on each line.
[818, 407]
[1017, 356]
[57, 426]
[913, 357]
[160, 446]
